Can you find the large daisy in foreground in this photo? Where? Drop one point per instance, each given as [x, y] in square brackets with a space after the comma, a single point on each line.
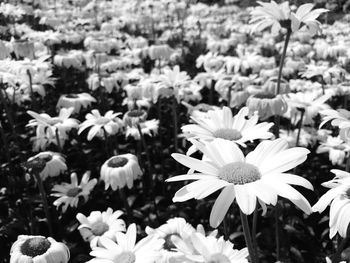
[220, 123]
[338, 199]
[258, 176]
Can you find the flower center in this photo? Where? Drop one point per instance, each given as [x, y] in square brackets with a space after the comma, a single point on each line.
[169, 244]
[72, 96]
[73, 192]
[35, 246]
[218, 258]
[102, 121]
[263, 95]
[228, 134]
[136, 113]
[125, 257]
[239, 173]
[99, 228]
[117, 161]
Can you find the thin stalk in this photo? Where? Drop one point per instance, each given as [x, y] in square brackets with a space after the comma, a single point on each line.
[59, 146]
[7, 110]
[337, 256]
[211, 92]
[106, 142]
[255, 244]
[126, 204]
[44, 199]
[302, 111]
[277, 117]
[149, 166]
[247, 237]
[5, 144]
[277, 235]
[34, 104]
[229, 95]
[174, 108]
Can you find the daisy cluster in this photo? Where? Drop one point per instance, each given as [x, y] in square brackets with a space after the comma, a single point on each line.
[106, 104]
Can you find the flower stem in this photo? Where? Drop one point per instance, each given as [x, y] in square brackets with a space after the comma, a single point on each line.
[255, 244]
[174, 108]
[126, 204]
[247, 237]
[59, 146]
[277, 232]
[34, 105]
[302, 111]
[277, 117]
[44, 199]
[149, 166]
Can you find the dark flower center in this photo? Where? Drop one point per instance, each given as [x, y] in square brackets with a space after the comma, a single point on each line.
[239, 173]
[117, 161]
[264, 96]
[35, 246]
[136, 113]
[169, 244]
[228, 134]
[38, 163]
[99, 228]
[72, 96]
[73, 192]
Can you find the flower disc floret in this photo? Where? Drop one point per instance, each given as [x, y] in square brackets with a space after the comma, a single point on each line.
[117, 162]
[239, 173]
[218, 258]
[35, 246]
[99, 228]
[228, 134]
[126, 257]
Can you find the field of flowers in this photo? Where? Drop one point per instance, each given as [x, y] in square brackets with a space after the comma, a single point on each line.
[174, 131]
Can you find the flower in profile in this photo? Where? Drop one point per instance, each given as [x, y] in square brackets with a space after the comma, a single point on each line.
[311, 102]
[271, 15]
[126, 249]
[77, 101]
[221, 124]
[135, 121]
[267, 105]
[47, 164]
[338, 197]
[54, 129]
[120, 170]
[211, 249]
[261, 175]
[38, 249]
[279, 16]
[69, 194]
[98, 225]
[336, 148]
[340, 118]
[305, 19]
[174, 227]
[99, 125]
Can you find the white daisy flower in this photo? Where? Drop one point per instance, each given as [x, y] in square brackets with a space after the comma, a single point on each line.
[173, 227]
[120, 170]
[211, 249]
[98, 225]
[338, 197]
[77, 101]
[34, 249]
[221, 124]
[50, 127]
[336, 148]
[69, 193]
[51, 164]
[126, 250]
[109, 123]
[261, 175]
